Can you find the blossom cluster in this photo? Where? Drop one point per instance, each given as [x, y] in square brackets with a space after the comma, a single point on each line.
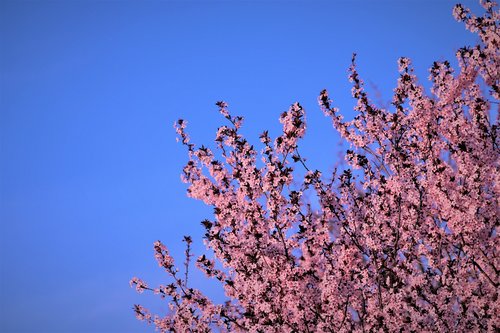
[404, 238]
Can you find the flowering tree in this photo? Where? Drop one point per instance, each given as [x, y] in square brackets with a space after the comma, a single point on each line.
[403, 239]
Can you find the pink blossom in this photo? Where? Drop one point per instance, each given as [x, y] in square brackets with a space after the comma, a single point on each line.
[402, 238]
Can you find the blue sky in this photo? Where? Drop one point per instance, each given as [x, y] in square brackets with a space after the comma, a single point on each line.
[89, 92]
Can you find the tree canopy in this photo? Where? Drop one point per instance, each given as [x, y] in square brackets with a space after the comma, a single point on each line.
[404, 238]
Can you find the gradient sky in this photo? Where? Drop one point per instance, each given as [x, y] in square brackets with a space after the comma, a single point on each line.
[89, 92]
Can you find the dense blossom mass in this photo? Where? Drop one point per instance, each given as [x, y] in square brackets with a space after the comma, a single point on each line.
[404, 238]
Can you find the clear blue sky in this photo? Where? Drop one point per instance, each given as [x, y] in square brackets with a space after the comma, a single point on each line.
[89, 162]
